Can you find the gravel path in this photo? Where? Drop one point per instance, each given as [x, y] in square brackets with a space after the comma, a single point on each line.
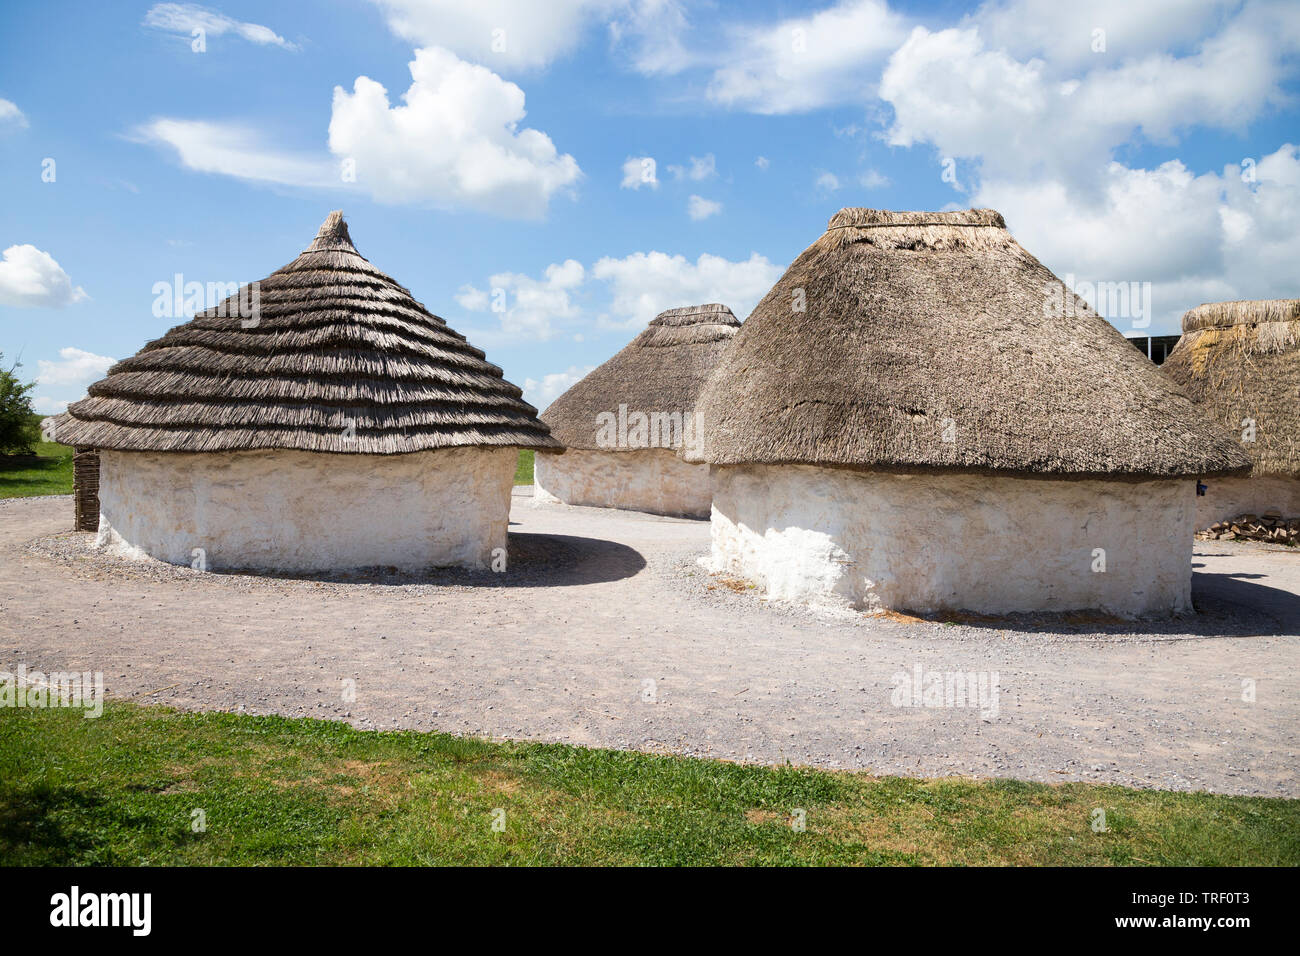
[605, 632]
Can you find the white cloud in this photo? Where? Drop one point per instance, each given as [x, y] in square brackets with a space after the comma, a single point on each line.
[455, 142]
[762, 162]
[44, 405]
[30, 277]
[185, 18]
[1064, 32]
[827, 182]
[1035, 117]
[503, 34]
[231, 150]
[472, 299]
[528, 307]
[872, 179]
[540, 394]
[643, 284]
[697, 207]
[639, 171]
[649, 34]
[1194, 238]
[11, 117]
[701, 168]
[75, 367]
[802, 63]
[640, 286]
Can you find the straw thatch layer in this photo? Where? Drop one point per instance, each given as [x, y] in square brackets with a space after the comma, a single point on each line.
[922, 341]
[660, 371]
[1240, 363]
[337, 358]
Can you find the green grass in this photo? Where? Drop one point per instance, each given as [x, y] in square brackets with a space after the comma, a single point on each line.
[48, 473]
[524, 470]
[122, 789]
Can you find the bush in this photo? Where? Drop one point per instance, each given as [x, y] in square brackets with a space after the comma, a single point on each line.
[18, 430]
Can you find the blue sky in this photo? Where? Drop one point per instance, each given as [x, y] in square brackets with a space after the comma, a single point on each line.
[499, 154]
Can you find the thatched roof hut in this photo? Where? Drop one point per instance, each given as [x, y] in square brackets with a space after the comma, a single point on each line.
[327, 378]
[1239, 362]
[341, 359]
[918, 387]
[916, 317]
[627, 422]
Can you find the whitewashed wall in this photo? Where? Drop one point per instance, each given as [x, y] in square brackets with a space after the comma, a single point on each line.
[949, 542]
[301, 511]
[642, 479]
[1229, 497]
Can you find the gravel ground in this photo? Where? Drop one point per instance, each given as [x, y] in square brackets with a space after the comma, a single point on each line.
[606, 632]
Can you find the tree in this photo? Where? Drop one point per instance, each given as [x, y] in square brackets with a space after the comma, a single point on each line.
[18, 431]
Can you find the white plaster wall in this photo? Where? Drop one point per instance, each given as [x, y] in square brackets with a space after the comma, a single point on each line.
[1229, 497]
[642, 479]
[955, 542]
[305, 511]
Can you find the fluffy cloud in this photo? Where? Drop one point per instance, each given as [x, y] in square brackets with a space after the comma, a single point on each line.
[454, 142]
[701, 168]
[232, 150]
[44, 405]
[643, 284]
[75, 367]
[697, 207]
[648, 34]
[1034, 117]
[30, 277]
[639, 171]
[1194, 238]
[1064, 33]
[802, 63]
[185, 18]
[504, 34]
[74, 370]
[528, 308]
[827, 183]
[540, 394]
[11, 117]
[638, 287]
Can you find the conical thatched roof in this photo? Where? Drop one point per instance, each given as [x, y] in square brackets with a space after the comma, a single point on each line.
[919, 327]
[1241, 360]
[338, 350]
[661, 370]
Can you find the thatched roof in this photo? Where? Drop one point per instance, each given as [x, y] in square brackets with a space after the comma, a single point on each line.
[919, 327]
[1240, 360]
[338, 350]
[661, 370]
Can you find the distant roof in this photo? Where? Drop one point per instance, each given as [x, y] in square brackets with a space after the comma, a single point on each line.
[337, 349]
[661, 370]
[1240, 361]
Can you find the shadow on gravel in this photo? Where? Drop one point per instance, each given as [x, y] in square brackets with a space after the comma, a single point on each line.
[533, 561]
[1227, 606]
[1240, 592]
